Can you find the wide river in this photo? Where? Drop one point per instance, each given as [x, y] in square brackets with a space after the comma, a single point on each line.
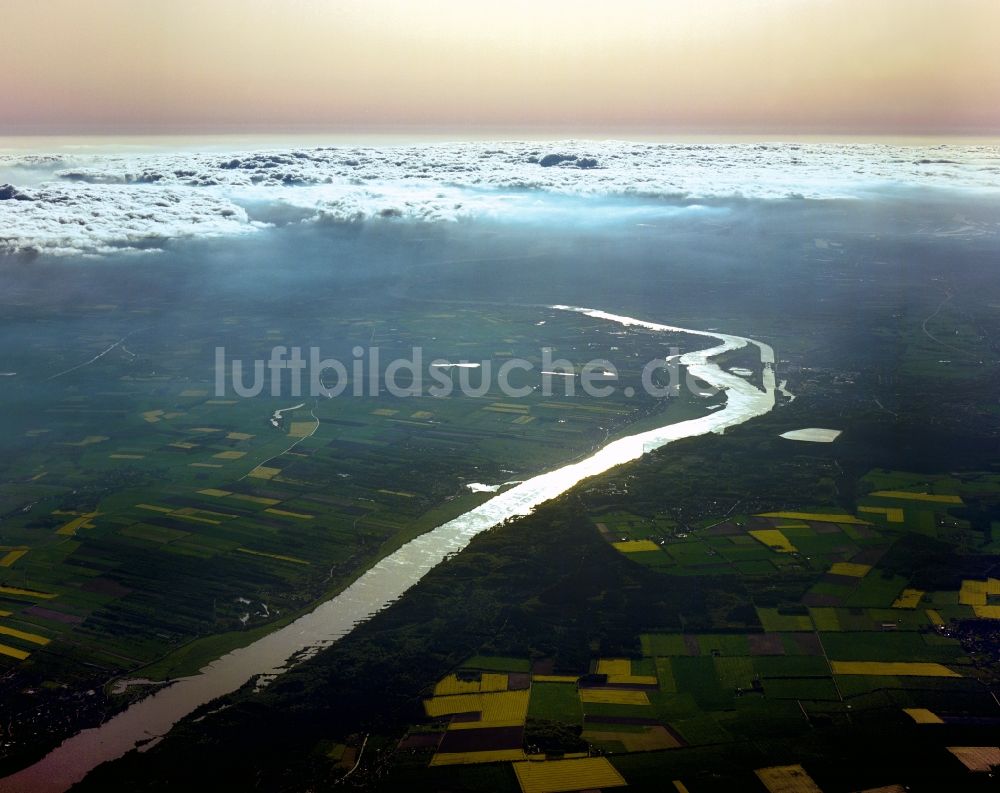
[376, 589]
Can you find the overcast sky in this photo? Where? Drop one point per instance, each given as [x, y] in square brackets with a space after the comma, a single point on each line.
[826, 66]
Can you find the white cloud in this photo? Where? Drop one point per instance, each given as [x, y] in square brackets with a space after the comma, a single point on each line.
[101, 203]
[84, 219]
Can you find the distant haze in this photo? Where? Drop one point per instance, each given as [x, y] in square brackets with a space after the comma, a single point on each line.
[838, 66]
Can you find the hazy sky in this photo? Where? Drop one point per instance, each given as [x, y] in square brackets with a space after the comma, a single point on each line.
[894, 66]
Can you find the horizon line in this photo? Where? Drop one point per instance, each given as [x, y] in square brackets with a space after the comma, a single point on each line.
[512, 132]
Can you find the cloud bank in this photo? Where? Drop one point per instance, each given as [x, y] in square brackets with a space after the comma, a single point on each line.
[99, 204]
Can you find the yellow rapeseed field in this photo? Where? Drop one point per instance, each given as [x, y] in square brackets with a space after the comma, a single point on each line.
[34, 638]
[944, 499]
[264, 472]
[11, 556]
[908, 599]
[977, 758]
[154, 508]
[466, 758]
[31, 593]
[614, 666]
[774, 540]
[489, 682]
[635, 546]
[613, 696]
[632, 680]
[892, 668]
[267, 502]
[974, 593]
[557, 776]
[13, 652]
[648, 739]
[451, 686]
[923, 716]
[286, 514]
[823, 517]
[69, 529]
[301, 429]
[501, 706]
[892, 514]
[850, 569]
[787, 779]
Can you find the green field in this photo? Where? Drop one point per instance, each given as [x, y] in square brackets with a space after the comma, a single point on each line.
[555, 702]
[165, 525]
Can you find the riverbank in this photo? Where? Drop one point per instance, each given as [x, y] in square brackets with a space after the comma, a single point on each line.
[388, 579]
